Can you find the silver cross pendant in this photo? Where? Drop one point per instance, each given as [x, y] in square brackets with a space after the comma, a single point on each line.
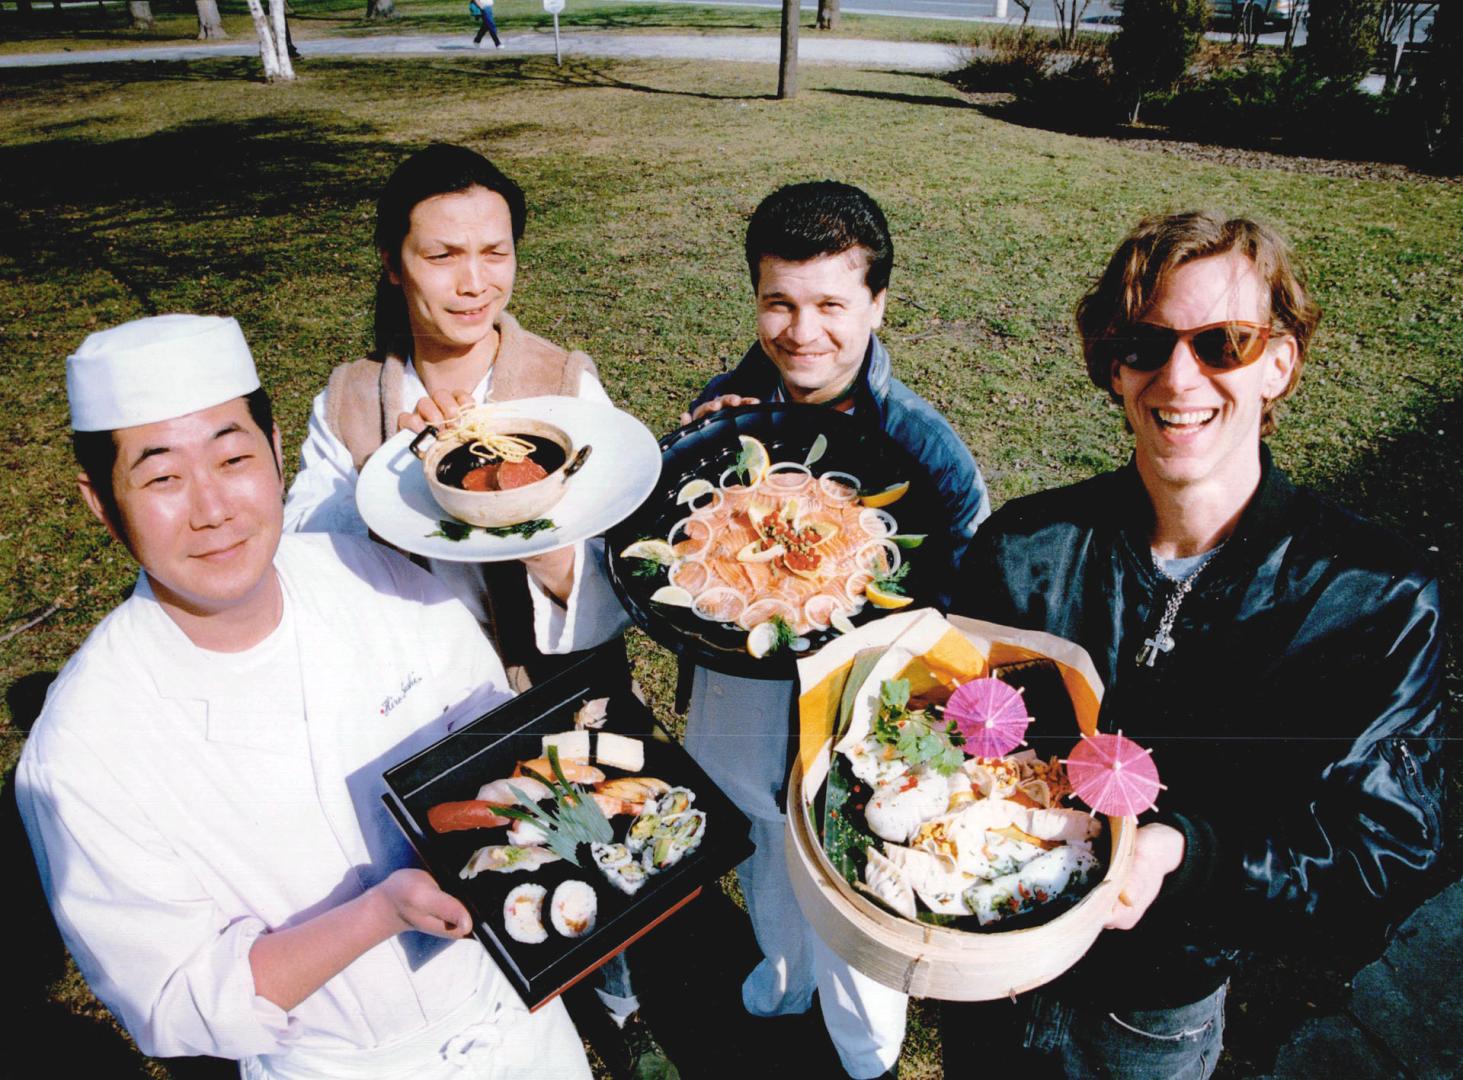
[1148, 654]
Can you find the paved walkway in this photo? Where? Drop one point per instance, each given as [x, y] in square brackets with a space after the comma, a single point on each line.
[1405, 1020]
[902, 55]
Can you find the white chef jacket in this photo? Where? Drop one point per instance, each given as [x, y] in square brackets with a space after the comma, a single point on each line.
[322, 498]
[172, 827]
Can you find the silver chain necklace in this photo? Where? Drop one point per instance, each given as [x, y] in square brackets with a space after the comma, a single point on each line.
[1162, 639]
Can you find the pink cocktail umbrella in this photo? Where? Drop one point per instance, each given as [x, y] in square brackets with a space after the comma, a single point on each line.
[991, 714]
[1113, 775]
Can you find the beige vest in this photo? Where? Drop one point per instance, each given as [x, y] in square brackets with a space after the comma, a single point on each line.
[363, 397]
[362, 402]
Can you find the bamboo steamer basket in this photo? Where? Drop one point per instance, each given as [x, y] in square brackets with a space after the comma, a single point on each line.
[936, 961]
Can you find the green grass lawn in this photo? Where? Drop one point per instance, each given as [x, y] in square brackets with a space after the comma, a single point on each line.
[48, 30]
[141, 189]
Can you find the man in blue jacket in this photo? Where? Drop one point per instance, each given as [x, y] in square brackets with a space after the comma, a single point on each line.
[820, 257]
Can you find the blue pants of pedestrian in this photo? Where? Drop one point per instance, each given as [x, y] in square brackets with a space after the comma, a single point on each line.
[488, 27]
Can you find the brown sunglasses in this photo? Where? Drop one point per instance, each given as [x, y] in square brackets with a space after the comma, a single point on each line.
[1222, 346]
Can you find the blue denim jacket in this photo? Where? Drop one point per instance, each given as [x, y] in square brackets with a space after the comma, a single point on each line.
[904, 416]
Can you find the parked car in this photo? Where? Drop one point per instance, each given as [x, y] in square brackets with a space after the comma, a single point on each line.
[1256, 16]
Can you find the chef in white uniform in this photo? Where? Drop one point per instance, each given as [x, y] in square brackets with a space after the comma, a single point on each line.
[202, 789]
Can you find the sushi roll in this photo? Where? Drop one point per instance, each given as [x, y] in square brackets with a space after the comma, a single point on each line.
[627, 877]
[674, 839]
[608, 856]
[675, 801]
[523, 914]
[573, 908]
[641, 830]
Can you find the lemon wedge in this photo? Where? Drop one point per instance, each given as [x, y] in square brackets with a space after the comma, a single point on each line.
[886, 497]
[825, 530]
[752, 555]
[694, 490]
[909, 540]
[671, 596]
[816, 451]
[755, 459]
[761, 639]
[654, 550]
[887, 600]
[840, 621]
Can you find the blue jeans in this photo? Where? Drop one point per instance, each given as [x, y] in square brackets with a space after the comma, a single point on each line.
[1055, 1038]
[488, 27]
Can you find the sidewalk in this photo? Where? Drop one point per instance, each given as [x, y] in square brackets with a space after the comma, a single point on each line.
[1405, 1019]
[901, 55]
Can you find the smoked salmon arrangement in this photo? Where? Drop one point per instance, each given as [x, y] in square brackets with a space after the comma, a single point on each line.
[771, 548]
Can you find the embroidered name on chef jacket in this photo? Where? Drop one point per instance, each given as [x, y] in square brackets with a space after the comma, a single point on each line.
[391, 701]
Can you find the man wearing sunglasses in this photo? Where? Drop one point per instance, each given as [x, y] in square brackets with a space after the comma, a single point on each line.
[1280, 655]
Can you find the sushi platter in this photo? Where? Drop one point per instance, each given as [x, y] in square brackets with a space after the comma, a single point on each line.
[569, 824]
[773, 529]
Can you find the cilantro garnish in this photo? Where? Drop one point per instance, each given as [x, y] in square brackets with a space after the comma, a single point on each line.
[744, 463]
[918, 736]
[890, 582]
[786, 635]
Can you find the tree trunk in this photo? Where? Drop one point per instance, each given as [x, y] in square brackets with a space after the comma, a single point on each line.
[272, 52]
[281, 40]
[828, 14]
[209, 24]
[141, 12]
[380, 9]
[787, 68]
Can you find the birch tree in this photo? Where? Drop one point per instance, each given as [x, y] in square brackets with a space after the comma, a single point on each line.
[141, 14]
[273, 49]
[380, 9]
[209, 24]
[828, 14]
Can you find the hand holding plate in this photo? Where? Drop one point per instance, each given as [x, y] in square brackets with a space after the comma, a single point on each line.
[716, 404]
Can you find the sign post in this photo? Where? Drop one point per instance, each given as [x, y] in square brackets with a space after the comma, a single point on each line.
[553, 7]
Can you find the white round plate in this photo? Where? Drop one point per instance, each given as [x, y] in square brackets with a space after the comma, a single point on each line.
[622, 469]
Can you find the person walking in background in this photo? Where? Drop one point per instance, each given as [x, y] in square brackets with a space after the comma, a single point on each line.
[483, 10]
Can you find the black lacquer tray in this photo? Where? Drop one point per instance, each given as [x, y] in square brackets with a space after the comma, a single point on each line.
[455, 767]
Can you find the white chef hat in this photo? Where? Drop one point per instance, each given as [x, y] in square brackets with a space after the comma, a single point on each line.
[157, 369]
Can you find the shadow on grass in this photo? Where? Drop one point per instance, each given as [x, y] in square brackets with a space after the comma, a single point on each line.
[900, 99]
[577, 73]
[69, 201]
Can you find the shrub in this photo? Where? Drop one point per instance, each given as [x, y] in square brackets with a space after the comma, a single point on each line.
[1154, 44]
[1342, 38]
[1439, 90]
[1067, 88]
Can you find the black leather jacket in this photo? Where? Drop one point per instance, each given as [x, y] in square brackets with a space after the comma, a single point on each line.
[1297, 721]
